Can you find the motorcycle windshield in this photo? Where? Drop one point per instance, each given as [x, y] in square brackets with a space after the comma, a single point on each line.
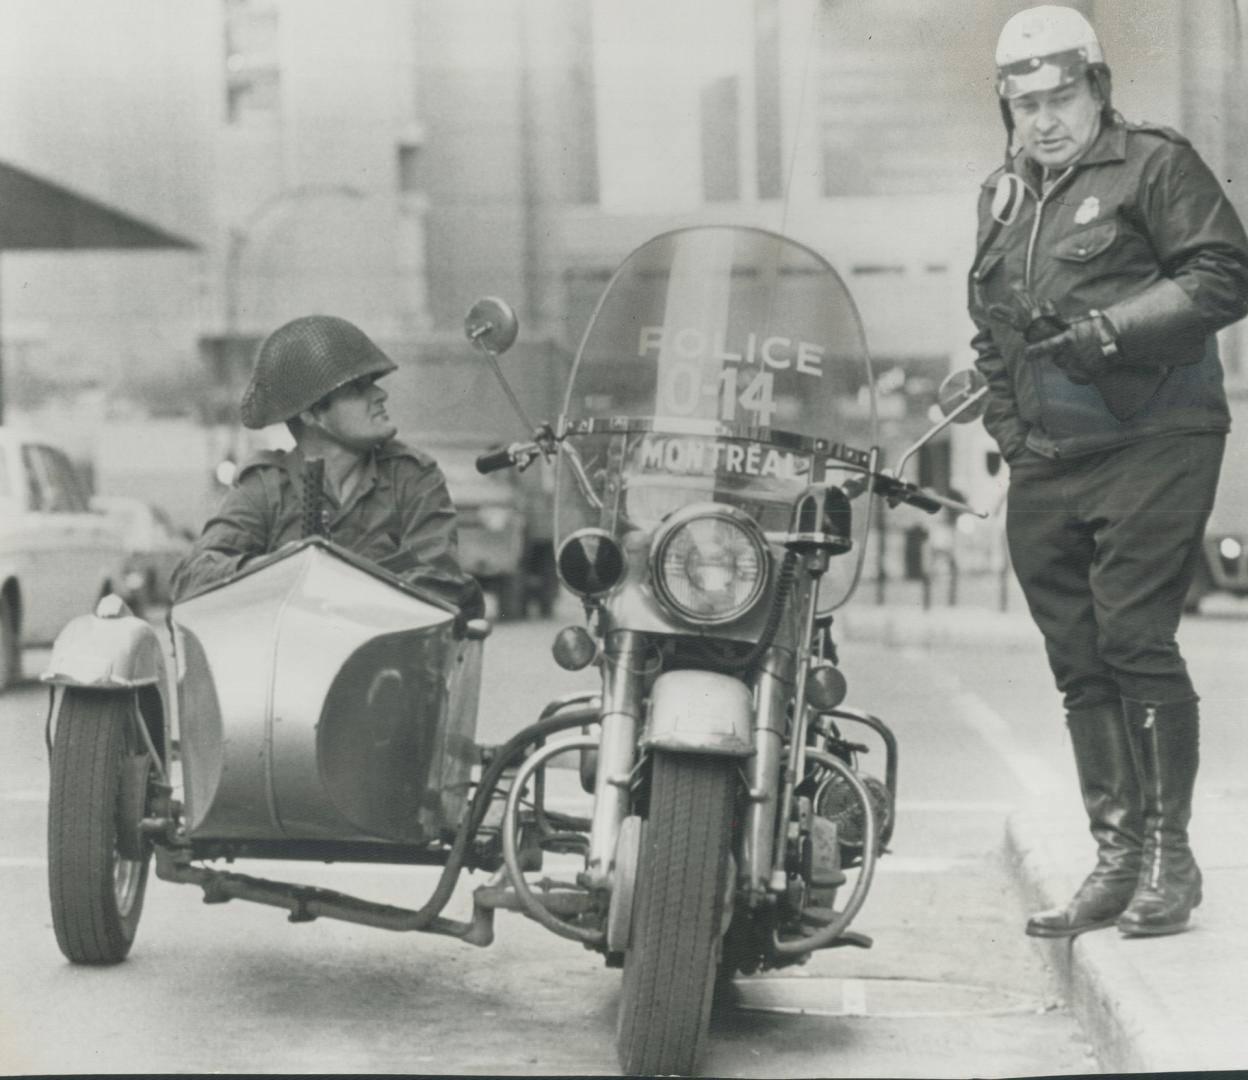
[723, 365]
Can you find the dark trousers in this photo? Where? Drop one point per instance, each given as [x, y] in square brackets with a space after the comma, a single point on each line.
[1105, 547]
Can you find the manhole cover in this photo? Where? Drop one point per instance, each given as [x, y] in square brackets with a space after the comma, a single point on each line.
[818, 996]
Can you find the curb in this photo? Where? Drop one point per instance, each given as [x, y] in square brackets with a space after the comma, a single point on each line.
[1145, 1005]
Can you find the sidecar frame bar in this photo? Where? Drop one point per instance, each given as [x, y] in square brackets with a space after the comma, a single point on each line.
[305, 902]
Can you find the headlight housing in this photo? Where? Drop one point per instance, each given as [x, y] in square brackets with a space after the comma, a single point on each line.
[709, 564]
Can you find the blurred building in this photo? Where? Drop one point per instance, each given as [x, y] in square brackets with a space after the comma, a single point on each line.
[391, 161]
[102, 114]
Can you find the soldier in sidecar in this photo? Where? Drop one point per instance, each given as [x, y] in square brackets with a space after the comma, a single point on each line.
[328, 650]
[379, 498]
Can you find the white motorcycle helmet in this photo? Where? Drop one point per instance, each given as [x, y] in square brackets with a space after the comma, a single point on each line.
[1043, 48]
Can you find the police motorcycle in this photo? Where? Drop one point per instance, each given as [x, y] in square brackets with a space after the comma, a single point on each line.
[715, 463]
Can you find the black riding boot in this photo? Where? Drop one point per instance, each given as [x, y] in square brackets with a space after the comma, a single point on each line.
[1165, 740]
[1111, 797]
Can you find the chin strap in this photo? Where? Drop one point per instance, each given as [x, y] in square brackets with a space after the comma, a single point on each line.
[313, 521]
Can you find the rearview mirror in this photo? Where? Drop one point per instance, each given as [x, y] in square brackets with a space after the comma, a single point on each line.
[961, 397]
[958, 389]
[492, 324]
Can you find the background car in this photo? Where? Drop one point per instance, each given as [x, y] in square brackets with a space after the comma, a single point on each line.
[1223, 566]
[154, 546]
[57, 556]
[491, 526]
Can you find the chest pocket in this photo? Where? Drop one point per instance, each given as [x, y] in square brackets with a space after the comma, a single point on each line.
[986, 278]
[1087, 244]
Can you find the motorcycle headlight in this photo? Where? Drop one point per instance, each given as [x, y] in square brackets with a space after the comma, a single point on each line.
[709, 565]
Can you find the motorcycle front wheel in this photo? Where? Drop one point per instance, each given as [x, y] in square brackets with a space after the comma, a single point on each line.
[678, 914]
[96, 889]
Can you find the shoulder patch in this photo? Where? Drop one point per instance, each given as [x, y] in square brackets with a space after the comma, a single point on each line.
[1167, 133]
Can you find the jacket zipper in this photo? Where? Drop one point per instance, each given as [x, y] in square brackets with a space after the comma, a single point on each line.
[1150, 725]
[1041, 199]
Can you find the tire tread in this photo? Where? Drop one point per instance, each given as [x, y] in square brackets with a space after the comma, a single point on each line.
[86, 767]
[678, 917]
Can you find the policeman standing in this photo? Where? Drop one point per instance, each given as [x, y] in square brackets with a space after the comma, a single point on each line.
[381, 498]
[1108, 257]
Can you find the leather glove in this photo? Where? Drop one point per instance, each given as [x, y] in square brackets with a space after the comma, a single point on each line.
[1034, 319]
[1086, 350]
[1159, 328]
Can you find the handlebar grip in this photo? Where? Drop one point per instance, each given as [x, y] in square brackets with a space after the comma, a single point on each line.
[921, 499]
[495, 460]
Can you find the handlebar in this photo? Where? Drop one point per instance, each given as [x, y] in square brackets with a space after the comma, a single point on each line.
[498, 459]
[896, 490]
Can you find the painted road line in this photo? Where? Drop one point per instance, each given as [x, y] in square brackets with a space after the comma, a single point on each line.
[1030, 771]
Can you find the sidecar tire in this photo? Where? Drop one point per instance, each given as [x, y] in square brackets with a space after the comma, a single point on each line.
[678, 915]
[96, 894]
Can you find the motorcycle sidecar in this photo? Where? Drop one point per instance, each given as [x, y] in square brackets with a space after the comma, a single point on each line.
[325, 710]
[321, 700]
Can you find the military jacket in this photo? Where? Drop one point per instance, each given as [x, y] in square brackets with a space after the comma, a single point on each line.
[399, 514]
[1139, 205]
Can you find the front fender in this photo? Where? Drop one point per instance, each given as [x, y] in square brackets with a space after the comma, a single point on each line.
[108, 650]
[700, 712]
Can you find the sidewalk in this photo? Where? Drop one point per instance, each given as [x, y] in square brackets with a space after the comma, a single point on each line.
[1175, 1003]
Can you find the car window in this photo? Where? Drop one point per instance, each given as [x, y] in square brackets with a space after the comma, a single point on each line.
[54, 486]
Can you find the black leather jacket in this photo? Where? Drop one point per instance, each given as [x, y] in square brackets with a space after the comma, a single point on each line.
[1139, 206]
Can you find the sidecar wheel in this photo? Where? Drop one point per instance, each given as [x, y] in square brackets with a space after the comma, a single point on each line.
[678, 915]
[96, 891]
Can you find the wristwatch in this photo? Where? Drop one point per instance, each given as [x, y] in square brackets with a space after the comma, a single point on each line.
[1105, 330]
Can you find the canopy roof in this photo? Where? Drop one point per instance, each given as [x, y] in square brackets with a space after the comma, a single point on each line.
[38, 215]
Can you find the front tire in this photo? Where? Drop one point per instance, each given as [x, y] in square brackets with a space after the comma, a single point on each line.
[678, 915]
[96, 891]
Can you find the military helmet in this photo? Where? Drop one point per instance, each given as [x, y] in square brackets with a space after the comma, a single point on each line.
[302, 361]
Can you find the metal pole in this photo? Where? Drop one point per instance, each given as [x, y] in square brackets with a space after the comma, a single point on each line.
[1, 345]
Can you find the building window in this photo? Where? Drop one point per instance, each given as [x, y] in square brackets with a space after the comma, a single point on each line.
[721, 111]
[252, 73]
[767, 98]
[582, 135]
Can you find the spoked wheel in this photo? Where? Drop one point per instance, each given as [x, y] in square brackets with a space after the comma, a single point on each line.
[678, 915]
[97, 859]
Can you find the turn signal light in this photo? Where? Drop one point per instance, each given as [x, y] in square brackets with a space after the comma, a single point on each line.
[825, 687]
[573, 648]
[590, 562]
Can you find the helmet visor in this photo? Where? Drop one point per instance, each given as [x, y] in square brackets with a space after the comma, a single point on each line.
[1039, 73]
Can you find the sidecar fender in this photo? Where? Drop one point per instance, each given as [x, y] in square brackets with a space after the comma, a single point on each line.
[700, 712]
[111, 649]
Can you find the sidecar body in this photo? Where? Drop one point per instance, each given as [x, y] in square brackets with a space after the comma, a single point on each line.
[322, 699]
